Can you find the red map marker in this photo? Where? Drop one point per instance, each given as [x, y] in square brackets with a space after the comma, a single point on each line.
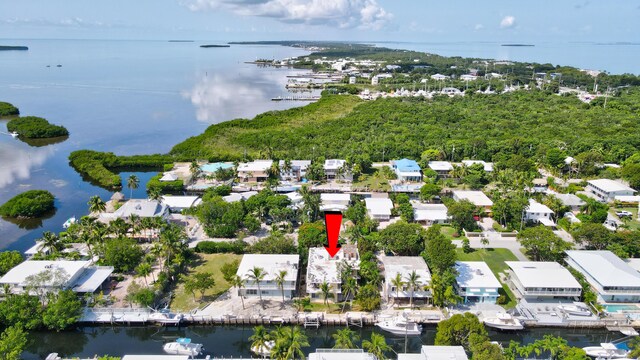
[332, 221]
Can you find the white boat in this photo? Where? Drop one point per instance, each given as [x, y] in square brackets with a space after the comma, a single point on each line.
[70, 221]
[14, 134]
[575, 309]
[265, 349]
[606, 351]
[504, 321]
[165, 317]
[183, 346]
[400, 325]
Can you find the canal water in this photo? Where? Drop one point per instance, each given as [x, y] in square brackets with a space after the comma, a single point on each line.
[232, 341]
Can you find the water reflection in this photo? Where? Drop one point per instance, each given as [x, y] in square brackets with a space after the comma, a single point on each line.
[30, 223]
[17, 163]
[43, 343]
[43, 142]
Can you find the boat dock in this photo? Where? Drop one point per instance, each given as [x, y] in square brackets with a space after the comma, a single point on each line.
[296, 98]
[125, 316]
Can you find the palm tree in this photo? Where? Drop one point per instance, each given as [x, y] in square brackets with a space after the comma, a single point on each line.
[173, 241]
[119, 227]
[257, 274]
[132, 183]
[412, 283]
[238, 282]
[311, 203]
[154, 193]
[349, 286]
[345, 339]
[397, 283]
[194, 169]
[96, 205]
[289, 343]
[326, 291]
[52, 242]
[260, 339]
[143, 270]
[376, 346]
[280, 280]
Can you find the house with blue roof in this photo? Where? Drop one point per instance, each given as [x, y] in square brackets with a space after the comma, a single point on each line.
[407, 170]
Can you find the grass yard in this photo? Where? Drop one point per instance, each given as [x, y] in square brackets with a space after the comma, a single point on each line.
[372, 182]
[449, 231]
[184, 301]
[632, 222]
[495, 259]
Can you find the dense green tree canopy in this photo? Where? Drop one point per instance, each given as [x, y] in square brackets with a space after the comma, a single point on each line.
[541, 244]
[402, 238]
[36, 128]
[9, 259]
[30, 203]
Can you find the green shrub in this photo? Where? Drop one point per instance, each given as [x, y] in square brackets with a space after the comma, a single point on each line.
[212, 247]
[165, 186]
[32, 203]
[7, 109]
[36, 128]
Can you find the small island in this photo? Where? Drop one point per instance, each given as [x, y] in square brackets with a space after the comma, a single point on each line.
[33, 127]
[8, 47]
[215, 46]
[29, 204]
[517, 45]
[7, 109]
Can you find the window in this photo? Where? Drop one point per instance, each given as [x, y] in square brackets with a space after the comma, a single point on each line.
[252, 292]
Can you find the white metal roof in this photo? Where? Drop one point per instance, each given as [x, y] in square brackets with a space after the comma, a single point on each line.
[169, 176]
[440, 165]
[181, 202]
[628, 198]
[569, 199]
[609, 185]
[405, 265]
[488, 167]
[434, 352]
[92, 278]
[606, 268]
[475, 274]
[541, 274]
[272, 264]
[477, 198]
[141, 208]
[233, 197]
[536, 207]
[301, 164]
[322, 268]
[429, 212]
[255, 166]
[333, 164]
[19, 274]
[634, 263]
[341, 354]
[334, 197]
[379, 206]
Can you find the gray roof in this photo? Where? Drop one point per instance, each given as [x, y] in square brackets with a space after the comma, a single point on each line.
[569, 199]
[606, 268]
[142, 208]
[541, 274]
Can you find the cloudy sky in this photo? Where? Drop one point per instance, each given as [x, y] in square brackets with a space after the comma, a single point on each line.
[367, 20]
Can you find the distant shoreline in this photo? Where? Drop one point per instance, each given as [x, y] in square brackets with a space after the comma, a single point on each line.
[517, 45]
[215, 46]
[9, 47]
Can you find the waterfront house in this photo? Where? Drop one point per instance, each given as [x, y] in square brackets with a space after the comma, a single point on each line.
[436, 352]
[168, 177]
[407, 170]
[429, 214]
[404, 266]
[442, 168]
[379, 208]
[323, 268]
[143, 208]
[476, 283]
[179, 203]
[337, 169]
[535, 280]
[611, 277]
[341, 354]
[334, 201]
[539, 213]
[606, 190]
[237, 196]
[488, 167]
[45, 275]
[255, 171]
[296, 170]
[272, 264]
[570, 200]
[477, 198]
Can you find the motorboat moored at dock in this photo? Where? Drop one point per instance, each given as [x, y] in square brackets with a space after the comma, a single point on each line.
[183, 346]
[504, 321]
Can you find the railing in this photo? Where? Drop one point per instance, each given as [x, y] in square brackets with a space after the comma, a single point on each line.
[563, 293]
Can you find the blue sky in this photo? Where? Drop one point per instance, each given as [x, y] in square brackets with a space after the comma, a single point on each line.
[365, 20]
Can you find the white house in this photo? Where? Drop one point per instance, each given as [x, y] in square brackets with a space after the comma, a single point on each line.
[477, 198]
[606, 190]
[138, 207]
[543, 280]
[254, 171]
[233, 197]
[334, 201]
[404, 266]
[407, 170]
[336, 169]
[179, 203]
[429, 214]
[476, 283]
[323, 268]
[540, 213]
[488, 167]
[612, 278]
[441, 167]
[379, 208]
[296, 171]
[435, 352]
[45, 275]
[468, 77]
[570, 200]
[341, 354]
[272, 264]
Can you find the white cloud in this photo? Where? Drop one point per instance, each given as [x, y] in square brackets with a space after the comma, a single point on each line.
[508, 22]
[365, 14]
[479, 27]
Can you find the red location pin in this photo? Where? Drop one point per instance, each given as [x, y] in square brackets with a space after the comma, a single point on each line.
[332, 220]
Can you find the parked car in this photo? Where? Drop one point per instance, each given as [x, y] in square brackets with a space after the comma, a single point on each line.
[623, 213]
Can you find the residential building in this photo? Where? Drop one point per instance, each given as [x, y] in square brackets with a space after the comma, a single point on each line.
[233, 197]
[570, 200]
[323, 268]
[179, 203]
[379, 208]
[442, 168]
[439, 77]
[168, 177]
[296, 170]
[254, 171]
[488, 167]
[468, 77]
[429, 214]
[334, 201]
[336, 169]
[404, 266]
[543, 280]
[341, 354]
[606, 190]
[611, 278]
[539, 213]
[476, 283]
[144, 208]
[435, 352]
[477, 198]
[407, 170]
[45, 275]
[272, 264]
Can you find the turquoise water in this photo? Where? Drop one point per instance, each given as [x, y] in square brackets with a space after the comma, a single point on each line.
[213, 167]
[618, 308]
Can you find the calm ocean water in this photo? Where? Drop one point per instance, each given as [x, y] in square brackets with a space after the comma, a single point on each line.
[141, 97]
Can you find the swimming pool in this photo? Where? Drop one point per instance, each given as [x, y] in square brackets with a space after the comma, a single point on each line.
[619, 308]
[213, 167]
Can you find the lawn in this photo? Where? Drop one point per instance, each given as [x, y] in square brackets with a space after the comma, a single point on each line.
[184, 301]
[372, 182]
[495, 259]
[632, 222]
[449, 231]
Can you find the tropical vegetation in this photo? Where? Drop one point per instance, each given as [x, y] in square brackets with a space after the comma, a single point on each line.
[33, 127]
[31, 203]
